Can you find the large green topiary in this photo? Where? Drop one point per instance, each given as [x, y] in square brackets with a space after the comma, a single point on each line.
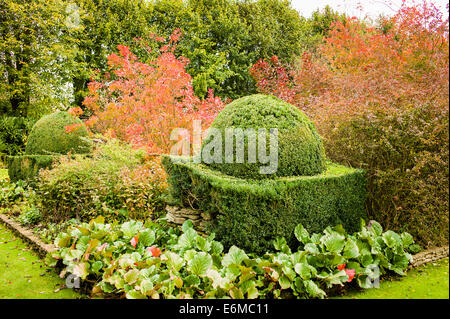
[300, 149]
[49, 136]
[250, 209]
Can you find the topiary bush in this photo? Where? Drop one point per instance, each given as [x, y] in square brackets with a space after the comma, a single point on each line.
[50, 136]
[250, 211]
[300, 149]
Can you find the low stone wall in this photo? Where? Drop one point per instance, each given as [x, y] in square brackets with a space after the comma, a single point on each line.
[429, 255]
[177, 215]
[26, 234]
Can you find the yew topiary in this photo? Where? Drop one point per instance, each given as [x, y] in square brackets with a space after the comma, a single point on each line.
[49, 136]
[300, 149]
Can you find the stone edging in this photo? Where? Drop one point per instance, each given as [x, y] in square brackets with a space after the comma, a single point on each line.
[429, 255]
[26, 234]
[419, 259]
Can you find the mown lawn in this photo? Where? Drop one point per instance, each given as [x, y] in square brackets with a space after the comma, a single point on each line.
[429, 281]
[23, 275]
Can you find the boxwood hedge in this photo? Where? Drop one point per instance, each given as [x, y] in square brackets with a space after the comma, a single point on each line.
[251, 213]
[26, 167]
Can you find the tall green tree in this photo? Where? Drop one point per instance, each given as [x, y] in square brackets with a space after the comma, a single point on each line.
[224, 38]
[31, 52]
[100, 25]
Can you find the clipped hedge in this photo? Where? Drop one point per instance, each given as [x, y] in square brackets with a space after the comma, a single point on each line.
[250, 213]
[300, 149]
[49, 136]
[27, 167]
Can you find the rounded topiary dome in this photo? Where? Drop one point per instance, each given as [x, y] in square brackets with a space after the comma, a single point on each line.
[49, 136]
[300, 148]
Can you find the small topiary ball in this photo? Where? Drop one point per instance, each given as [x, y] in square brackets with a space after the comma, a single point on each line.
[49, 136]
[300, 148]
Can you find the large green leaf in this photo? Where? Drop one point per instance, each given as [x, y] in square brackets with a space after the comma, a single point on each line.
[302, 234]
[131, 276]
[392, 239]
[234, 256]
[334, 242]
[313, 290]
[188, 239]
[305, 271]
[130, 228]
[351, 249]
[147, 237]
[200, 264]
[174, 261]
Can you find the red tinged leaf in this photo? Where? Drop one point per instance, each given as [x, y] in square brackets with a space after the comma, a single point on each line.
[350, 273]
[134, 241]
[341, 267]
[156, 252]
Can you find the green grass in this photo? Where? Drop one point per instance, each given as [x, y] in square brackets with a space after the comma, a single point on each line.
[429, 281]
[23, 275]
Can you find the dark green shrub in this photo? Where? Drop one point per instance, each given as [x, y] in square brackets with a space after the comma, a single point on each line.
[26, 167]
[300, 150]
[116, 181]
[13, 134]
[50, 135]
[250, 213]
[406, 155]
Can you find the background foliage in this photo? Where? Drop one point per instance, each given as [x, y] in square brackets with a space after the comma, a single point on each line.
[379, 97]
[116, 182]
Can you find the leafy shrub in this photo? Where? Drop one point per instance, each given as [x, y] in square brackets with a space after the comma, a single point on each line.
[251, 213]
[13, 134]
[50, 135]
[13, 192]
[27, 167]
[407, 162]
[300, 150]
[30, 217]
[141, 261]
[116, 181]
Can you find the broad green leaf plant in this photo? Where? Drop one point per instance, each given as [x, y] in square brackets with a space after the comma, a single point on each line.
[153, 260]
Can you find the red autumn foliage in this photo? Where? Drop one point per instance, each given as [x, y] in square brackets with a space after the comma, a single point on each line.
[142, 103]
[402, 62]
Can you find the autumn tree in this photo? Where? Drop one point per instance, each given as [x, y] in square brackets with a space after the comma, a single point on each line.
[142, 103]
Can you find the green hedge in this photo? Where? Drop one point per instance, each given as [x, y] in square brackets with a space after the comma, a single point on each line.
[250, 214]
[27, 167]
